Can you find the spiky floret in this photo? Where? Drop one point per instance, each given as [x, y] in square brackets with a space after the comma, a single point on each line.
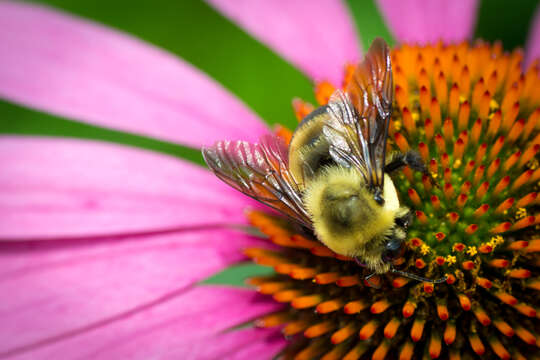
[474, 118]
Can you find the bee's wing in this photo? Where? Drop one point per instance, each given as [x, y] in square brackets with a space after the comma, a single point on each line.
[259, 171]
[358, 128]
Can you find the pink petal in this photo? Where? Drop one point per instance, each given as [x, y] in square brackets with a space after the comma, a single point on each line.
[77, 69]
[533, 43]
[319, 37]
[428, 21]
[56, 187]
[167, 325]
[246, 344]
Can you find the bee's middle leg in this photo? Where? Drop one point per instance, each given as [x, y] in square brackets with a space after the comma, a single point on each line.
[411, 158]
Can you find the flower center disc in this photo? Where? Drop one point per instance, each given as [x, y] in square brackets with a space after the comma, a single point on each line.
[473, 116]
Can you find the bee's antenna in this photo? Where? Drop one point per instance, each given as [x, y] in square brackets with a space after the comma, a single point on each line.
[418, 278]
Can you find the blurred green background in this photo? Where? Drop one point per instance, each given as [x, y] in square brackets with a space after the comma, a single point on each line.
[265, 82]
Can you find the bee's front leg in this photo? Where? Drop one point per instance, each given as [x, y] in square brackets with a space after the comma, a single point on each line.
[367, 278]
[411, 159]
[374, 285]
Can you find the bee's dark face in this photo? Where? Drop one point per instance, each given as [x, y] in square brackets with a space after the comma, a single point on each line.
[393, 249]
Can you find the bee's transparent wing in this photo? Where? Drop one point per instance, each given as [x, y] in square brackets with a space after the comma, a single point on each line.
[259, 171]
[347, 145]
[360, 117]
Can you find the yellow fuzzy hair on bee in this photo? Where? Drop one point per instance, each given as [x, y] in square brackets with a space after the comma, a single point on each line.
[346, 217]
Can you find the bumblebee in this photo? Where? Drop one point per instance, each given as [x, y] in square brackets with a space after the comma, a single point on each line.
[333, 177]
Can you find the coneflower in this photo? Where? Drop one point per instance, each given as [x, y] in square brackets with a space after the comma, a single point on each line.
[105, 248]
[473, 116]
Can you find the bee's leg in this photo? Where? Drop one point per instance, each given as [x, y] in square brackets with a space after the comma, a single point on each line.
[412, 159]
[418, 278]
[367, 278]
[372, 284]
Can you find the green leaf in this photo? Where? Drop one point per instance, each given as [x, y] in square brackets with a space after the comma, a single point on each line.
[508, 21]
[238, 274]
[200, 35]
[369, 22]
[19, 120]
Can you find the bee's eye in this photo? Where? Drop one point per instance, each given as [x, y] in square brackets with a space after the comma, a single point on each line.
[393, 250]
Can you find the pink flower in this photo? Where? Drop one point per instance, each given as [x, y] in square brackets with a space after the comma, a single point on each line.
[102, 245]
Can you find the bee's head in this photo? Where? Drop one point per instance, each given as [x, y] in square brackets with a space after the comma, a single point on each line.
[393, 249]
[394, 246]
